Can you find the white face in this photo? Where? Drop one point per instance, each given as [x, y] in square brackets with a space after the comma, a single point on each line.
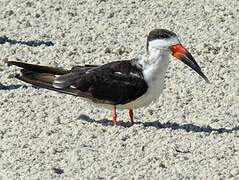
[163, 43]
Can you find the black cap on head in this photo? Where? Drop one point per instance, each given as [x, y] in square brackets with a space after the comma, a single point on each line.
[159, 34]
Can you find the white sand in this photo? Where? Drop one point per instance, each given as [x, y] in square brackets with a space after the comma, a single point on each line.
[192, 132]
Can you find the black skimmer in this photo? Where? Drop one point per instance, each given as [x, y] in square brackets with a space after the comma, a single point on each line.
[125, 84]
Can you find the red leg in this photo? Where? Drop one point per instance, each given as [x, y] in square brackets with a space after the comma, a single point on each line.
[131, 116]
[114, 120]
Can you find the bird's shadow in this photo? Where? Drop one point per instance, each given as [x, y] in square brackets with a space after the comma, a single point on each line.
[158, 125]
[33, 43]
[11, 87]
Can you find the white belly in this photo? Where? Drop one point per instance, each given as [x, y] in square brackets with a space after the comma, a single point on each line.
[142, 101]
[151, 95]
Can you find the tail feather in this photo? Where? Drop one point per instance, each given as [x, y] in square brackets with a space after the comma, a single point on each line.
[44, 77]
[38, 68]
[44, 80]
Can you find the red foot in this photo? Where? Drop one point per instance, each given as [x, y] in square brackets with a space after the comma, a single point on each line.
[114, 115]
[131, 116]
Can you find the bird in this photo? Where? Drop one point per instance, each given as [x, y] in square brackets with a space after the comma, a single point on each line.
[124, 84]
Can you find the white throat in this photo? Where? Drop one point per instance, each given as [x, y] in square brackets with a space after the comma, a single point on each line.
[156, 66]
[154, 69]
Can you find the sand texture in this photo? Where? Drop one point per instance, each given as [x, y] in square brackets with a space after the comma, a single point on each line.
[191, 132]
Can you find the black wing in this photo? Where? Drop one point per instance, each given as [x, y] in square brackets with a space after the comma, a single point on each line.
[113, 83]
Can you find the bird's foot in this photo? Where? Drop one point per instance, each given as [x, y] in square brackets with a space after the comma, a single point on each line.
[131, 116]
[114, 116]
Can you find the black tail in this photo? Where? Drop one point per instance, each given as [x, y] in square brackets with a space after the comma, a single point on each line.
[38, 68]
[44, 77]
[44, 80]
[41, 76]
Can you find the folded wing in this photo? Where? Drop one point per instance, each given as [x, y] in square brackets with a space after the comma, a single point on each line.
[113, 83]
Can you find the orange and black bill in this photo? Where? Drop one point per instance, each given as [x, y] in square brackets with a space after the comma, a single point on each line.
[182, 54]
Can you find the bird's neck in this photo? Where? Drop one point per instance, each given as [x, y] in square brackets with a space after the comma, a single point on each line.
[156, 64]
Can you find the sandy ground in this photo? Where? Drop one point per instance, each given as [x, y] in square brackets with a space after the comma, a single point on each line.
[192, 132]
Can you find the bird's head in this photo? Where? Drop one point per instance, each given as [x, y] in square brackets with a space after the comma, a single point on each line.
[168, 40]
